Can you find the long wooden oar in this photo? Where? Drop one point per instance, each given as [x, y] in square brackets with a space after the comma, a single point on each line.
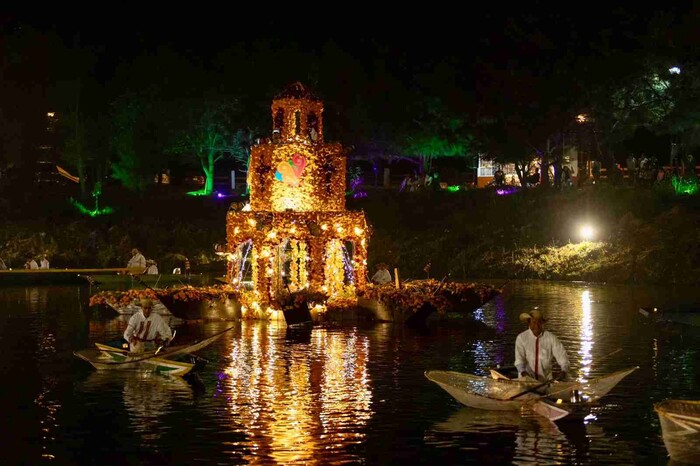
[138, 279]
[530, 390]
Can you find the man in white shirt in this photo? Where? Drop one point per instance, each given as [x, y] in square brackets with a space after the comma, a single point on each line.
[146, 329]
[31, 264]
[137, 261]
[382, 276]
[44, 263]
[152, 267]
[536, 349]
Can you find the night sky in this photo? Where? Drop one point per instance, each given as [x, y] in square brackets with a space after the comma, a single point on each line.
[408, 41]
[466, 55]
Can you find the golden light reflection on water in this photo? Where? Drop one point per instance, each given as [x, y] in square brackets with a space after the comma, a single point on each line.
[586, 336]
[298, 401]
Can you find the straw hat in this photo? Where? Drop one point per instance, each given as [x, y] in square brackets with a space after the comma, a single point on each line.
[146, 302]
[534, 314]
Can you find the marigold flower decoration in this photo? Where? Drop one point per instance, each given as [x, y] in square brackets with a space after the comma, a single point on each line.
[185, 293]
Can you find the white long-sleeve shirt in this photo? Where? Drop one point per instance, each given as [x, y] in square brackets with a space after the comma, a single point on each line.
[137, 261]
[381, 277]
[535, 355]
[147, 329]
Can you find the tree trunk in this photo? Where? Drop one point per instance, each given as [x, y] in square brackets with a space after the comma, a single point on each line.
[544, 166]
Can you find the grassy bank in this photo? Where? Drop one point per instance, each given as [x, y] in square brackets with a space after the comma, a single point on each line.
[645, 235]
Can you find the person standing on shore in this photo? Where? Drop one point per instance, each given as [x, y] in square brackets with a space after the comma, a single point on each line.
[44, 263]
[137, 261]
[31, 264]
[152, 268]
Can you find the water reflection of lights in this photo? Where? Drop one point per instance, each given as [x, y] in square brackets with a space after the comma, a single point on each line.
[49, 423]
[148, 397]
[586, 335]
[295, 403]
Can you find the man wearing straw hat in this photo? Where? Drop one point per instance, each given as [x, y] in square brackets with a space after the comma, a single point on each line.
[537, 348]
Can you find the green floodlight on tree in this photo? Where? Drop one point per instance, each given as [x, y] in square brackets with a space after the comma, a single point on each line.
[685, 185]
[201, 192]
[453, 189]
[96, 212]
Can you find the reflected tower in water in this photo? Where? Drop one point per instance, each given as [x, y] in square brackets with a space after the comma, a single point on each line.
[298, 402]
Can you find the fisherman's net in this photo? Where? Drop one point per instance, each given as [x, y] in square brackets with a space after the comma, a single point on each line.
[680, 427]
[505, 389]
[496, 389]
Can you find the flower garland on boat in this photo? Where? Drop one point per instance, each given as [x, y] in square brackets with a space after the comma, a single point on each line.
[445, 297]
[184, 293]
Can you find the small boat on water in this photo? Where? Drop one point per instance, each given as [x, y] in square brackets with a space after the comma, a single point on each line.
[680, 428]
[107, 357]
[385, 313]
[122, 281]
[116, 359]
[554, 400]
[686, 314]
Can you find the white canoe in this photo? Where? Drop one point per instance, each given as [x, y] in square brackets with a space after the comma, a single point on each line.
[496, 394]
[117, 360]
[680, 428]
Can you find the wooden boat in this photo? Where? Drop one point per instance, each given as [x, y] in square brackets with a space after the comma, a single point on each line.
[133, 308]
[559, 400]
[297, 314]
[118, 360]
[127, 281]
[106, 357]
[171, 350]
[54, 276]
[681, 314]
[384, 313]
[204, 309]
[680, 428]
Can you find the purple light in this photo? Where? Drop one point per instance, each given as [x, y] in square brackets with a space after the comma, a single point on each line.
[219, 195]
[504, 191]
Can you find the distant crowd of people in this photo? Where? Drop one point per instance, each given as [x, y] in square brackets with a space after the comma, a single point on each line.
[32, 263]
[149, 266]
[418, 182]
[137, 261]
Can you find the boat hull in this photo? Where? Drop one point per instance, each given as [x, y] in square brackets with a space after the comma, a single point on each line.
[205, 309]
[116, 360]
[680, 429]
[384, 313]
[297, 315]
[503, 394]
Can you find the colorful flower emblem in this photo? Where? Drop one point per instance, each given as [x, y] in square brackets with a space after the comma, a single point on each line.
[289, 171]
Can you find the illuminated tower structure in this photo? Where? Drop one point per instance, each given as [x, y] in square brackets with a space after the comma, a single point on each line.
[295, 232]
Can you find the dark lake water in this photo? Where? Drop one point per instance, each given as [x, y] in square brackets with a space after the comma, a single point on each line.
[338, 394]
